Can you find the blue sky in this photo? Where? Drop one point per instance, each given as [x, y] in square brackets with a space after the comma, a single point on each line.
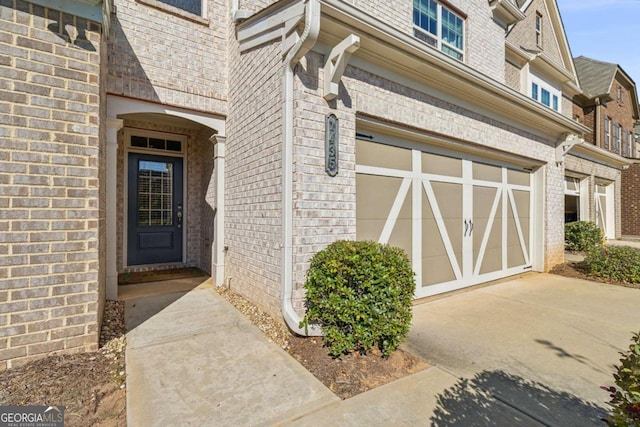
[608, 30]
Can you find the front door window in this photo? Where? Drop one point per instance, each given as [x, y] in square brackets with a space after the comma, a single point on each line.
[155, 193]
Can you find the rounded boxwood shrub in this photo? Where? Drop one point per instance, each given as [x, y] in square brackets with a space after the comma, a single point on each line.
[360, 293]
[582, 236]
[625, 398]
[616, 263]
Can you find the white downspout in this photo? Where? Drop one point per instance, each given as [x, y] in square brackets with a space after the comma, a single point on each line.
[303, 45]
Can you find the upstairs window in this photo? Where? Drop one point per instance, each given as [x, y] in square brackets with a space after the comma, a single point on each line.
[439, 26]
[538, 29]
[616, 138]
[607, 133]
[192, 6]
[544, 93]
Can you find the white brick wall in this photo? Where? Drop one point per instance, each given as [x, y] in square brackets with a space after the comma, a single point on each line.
[50, 204]
[162, 57]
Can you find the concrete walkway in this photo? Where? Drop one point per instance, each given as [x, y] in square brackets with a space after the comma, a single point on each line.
[200, 362]
[529, 351]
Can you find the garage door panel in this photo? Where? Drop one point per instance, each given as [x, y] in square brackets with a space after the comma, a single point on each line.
[436, 270]
[487, 231]
[383, 156]
[441, 165]
[483, 172]
[374, 200]
[523, 205]
[401, 236]
[515, 255]
[439, 263]
[516, 177]
[421, 202]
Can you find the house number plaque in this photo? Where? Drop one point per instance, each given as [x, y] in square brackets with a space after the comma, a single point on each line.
[331, 145]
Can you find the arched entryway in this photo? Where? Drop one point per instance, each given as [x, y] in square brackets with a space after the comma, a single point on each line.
[162, 170]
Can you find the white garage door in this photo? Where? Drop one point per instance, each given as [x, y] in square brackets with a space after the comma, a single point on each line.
[462, 221]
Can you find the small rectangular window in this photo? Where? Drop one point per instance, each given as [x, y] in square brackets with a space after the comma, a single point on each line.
[538, 29]
[534, 91]
[607, 133]
[546, 98]
[555, 102]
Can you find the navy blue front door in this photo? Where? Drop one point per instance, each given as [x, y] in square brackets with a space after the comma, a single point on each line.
[155, 219]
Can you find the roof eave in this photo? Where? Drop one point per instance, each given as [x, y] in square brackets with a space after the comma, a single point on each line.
[437, 69]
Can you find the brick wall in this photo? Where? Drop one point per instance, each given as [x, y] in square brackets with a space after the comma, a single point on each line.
[484, 39]
[50, 284]
[630, 200]
[523, 33]
[253, 178]
[171, 58]
[619, 112]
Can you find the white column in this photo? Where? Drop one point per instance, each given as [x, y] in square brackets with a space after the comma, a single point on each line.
[113, 126]
[217, 264]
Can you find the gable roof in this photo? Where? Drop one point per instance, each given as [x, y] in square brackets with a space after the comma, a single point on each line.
[566, 66]
[596, 77]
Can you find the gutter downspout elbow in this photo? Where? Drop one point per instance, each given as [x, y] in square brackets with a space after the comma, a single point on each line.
[306, 41]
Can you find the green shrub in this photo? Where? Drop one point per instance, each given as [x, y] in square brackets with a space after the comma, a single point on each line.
[361, 294]
[615, 263]
[625, 399]
[582, 236]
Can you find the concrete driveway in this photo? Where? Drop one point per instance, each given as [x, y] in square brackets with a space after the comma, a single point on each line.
[533, 350]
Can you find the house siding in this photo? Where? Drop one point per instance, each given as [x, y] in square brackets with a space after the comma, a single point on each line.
[50, 190]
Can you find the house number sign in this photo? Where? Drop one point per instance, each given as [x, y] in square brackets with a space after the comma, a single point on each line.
[331, 145]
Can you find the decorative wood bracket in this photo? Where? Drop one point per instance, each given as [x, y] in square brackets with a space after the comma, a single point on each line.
[570, 141]
[337, 61]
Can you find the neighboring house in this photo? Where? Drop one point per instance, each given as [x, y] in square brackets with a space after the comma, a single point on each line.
[243, 139]
[609, 106]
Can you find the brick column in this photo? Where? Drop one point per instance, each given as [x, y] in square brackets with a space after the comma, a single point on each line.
[113, 126]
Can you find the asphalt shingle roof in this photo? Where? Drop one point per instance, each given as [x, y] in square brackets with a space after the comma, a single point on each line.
[595, 76]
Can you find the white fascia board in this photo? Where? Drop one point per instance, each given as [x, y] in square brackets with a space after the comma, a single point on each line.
[88, 9]
[390, 48]
[506, 12]
[601, 156]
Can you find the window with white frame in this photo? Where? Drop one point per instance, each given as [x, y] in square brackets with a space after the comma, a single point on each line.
[439, 26]
[545, 93]
[538, 29]
[616, 138]
[607, 132]
[195, 7]
[572, 201]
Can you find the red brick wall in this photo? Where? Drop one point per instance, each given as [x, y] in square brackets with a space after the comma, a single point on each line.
[619, 112]
[631, 201]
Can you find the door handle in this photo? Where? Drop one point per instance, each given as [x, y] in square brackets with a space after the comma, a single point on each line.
[471, 229]
[466, 228]
[179, 215]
